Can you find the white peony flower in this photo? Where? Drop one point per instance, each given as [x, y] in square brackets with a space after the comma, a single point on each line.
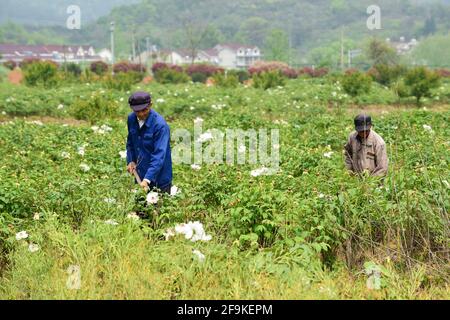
[81, 151]
[195, 167]
[427, 128]
[123, 154]
[36, 216]
[101, 130]
[192, 231]
[174, 191]
[84, 167]
[160, 100]
[260, 171]
[110, 200]
[200, 256]
[21, 235]
[328, 154]
[60, 106]
[152, 198]
[133, 216]
[106, 128]
[198, 232]
[33, 247]
[112, 222]
[65, 155]
[185, 229]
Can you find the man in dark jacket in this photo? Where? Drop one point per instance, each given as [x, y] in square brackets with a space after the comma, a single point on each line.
[365, 149]
[148, 144]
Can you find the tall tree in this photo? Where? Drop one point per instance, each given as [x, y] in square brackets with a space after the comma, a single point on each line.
[433, 51]
[277, 46]
[253, 31]
[430, 27]
[195, 32]
[380, 52]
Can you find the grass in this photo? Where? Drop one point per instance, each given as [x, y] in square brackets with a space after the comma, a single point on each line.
[124, 264]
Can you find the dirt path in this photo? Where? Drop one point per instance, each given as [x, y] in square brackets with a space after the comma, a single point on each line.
[382, 109]
[51, 120]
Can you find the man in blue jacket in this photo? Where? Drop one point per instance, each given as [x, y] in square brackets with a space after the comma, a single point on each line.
[148, 144]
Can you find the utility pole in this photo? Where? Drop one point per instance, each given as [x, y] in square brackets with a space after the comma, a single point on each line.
[112, 47]
[148, 55]
[352, 54]
[65, 61]
[349, 53]
[342, 49]
[140, 53]
[290, 43]
[133, 44]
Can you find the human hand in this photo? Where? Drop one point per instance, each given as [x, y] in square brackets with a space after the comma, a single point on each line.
[144, 184]
[131, 167]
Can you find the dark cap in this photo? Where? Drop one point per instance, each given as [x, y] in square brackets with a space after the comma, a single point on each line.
[363, 122]
[139, 100]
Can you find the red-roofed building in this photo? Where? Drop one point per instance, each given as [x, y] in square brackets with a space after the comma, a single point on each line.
[57, 53]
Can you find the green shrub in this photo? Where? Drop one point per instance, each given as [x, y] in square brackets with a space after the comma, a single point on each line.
[269, 79]
[242, 75]
[88, 76]
[386, 74]
[199, 77]
[71, 69]
[356, 83]
[168, 75]
[41, 73]
[400, 89]
[99, 67]
[227, 81]
[3, 73]
[94, 109]
[123, 80]
[420, 81]
[10, 64]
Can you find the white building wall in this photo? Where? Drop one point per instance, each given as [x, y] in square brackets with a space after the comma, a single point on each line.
[227, 59]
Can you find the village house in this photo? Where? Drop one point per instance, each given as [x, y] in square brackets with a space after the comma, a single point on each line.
[237, 56]
[57, 53]
[227, 56]
[402, 46]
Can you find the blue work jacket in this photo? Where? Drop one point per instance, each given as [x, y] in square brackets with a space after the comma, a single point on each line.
[149, 148]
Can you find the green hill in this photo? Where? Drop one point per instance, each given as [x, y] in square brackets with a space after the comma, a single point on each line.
[305, 24]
